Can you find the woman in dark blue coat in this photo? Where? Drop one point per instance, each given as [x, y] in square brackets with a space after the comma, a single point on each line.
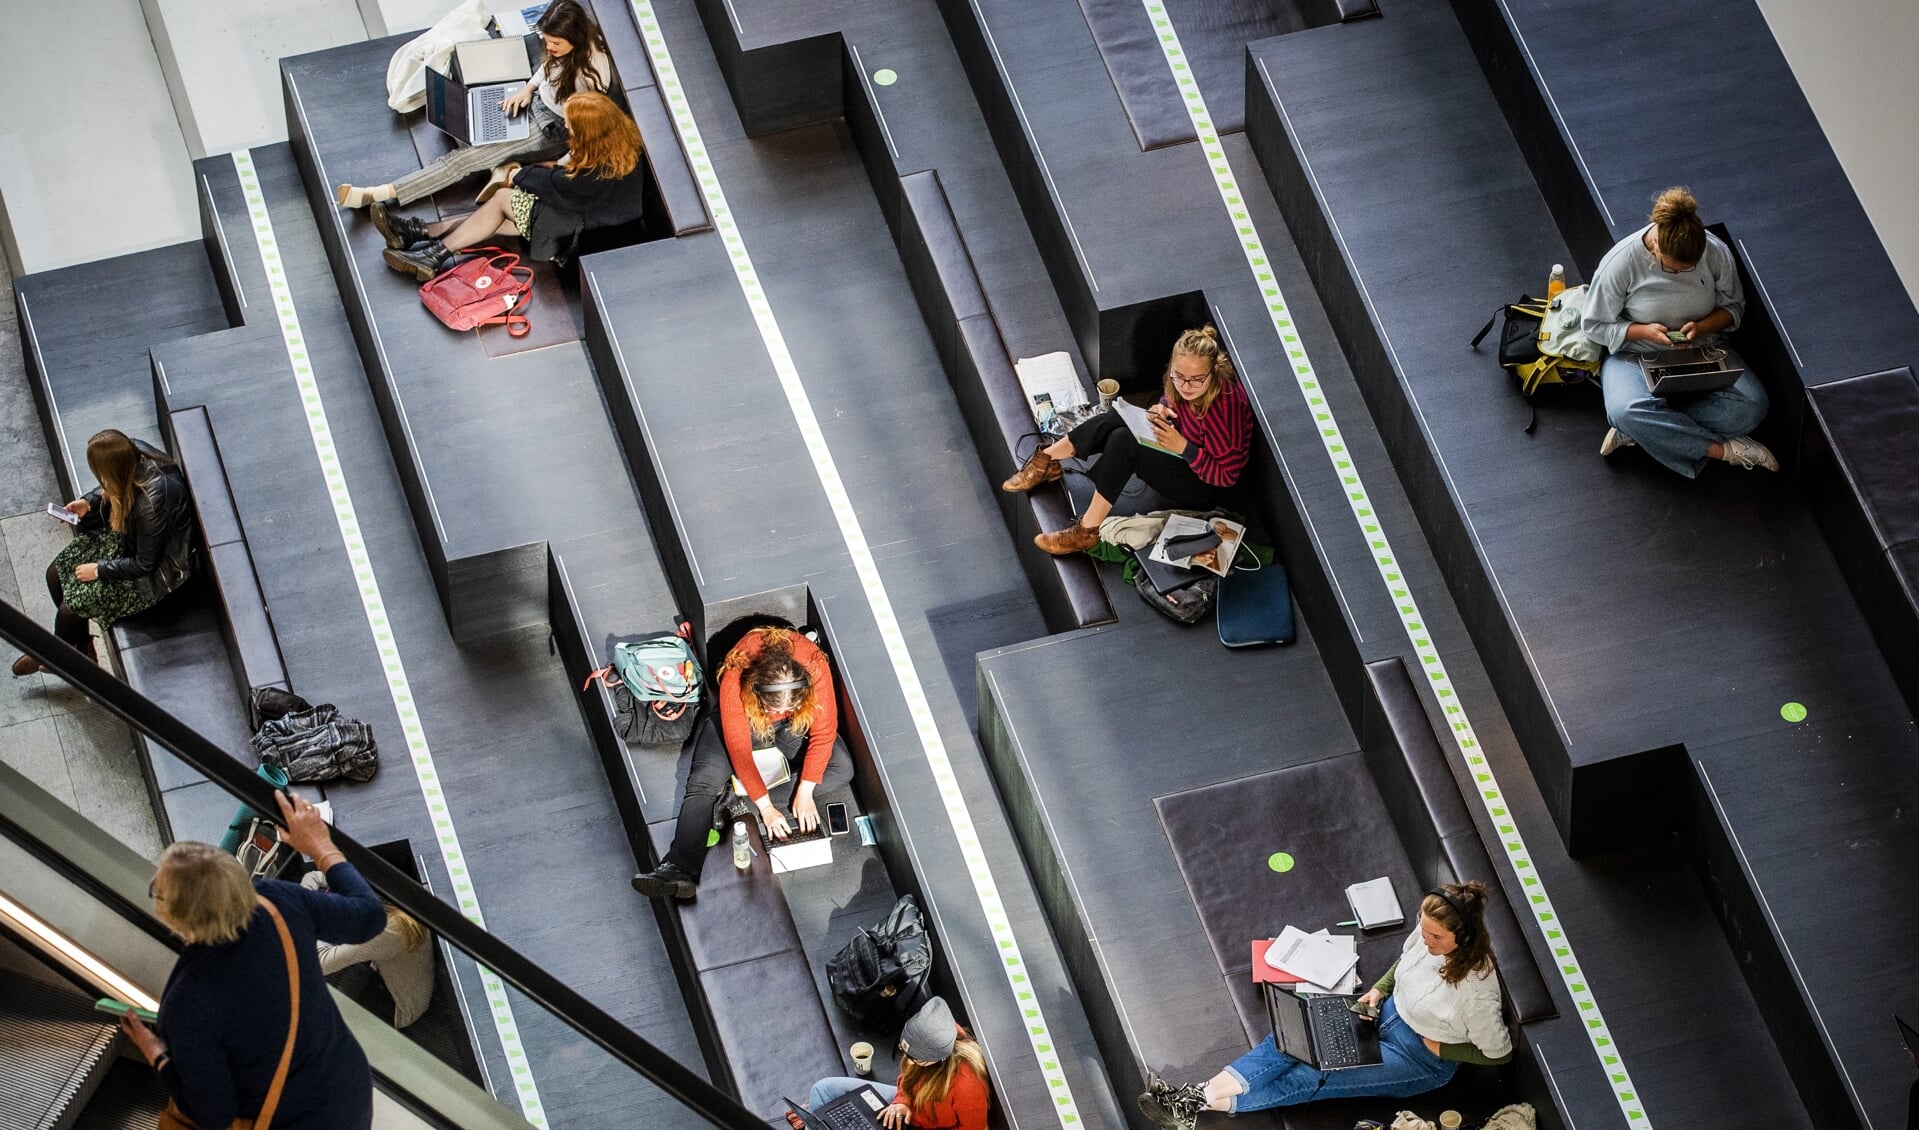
[225, 1010]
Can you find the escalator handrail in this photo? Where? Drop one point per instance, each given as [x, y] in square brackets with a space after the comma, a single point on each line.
[186, 743]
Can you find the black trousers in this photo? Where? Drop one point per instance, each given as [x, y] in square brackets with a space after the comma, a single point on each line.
[710, 780]
[1120, 457]
[71, 627]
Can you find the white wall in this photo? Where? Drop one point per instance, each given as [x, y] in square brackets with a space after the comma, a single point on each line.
[93, 168]
[1855, 61]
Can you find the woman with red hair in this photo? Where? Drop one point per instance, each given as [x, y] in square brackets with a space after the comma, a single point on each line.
[597, 184]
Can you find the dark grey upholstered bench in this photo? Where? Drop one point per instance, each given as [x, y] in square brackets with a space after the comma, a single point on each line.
[1861, 470]
[990, 399]
[1393, 808]
[244, 619]
[736, 949]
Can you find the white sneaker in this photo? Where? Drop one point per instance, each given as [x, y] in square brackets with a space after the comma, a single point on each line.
[1747, 452]
[1616, 439]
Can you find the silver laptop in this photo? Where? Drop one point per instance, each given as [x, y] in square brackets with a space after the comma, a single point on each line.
[464, 100]
[1692, 369]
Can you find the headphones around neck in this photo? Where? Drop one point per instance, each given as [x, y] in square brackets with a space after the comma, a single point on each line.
[1467, 932]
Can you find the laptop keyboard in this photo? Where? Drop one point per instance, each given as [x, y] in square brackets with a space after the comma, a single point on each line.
[492, 125]
[1333, 1023]
[845, 1116]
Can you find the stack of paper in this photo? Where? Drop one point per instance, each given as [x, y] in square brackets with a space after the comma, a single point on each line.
[1320, 962]
[1051, 386]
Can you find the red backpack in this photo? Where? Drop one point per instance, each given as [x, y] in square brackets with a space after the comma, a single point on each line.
[490, 288]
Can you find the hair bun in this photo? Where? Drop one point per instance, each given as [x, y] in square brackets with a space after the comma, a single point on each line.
[1676, 204]
[1209, 331]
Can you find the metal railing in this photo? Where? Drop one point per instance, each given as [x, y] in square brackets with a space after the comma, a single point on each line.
[521, 973]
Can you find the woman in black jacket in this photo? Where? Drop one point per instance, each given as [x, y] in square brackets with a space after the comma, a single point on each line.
[598, 184]
[133, 544]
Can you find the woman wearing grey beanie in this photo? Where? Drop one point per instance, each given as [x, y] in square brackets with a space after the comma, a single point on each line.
[942, 1083]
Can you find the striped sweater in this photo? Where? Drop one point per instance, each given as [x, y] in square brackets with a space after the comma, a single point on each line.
[1217, 443]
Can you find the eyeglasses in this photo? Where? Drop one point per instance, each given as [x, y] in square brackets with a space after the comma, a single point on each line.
[1184, 381]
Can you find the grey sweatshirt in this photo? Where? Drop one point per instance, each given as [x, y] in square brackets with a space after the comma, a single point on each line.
[1630, 286]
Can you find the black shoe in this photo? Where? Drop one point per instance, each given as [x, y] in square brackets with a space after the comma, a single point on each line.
[666, 880]
[421, 262]
[400, 232]
[1173, 1108]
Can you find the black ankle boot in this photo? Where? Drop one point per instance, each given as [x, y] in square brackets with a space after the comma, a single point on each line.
[400, 232]
[666, 880]
[422, 262]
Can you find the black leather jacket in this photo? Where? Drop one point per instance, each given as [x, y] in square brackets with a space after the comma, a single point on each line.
[159, 531]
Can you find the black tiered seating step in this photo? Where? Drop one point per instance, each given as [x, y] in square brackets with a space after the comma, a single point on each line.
[1642, 630]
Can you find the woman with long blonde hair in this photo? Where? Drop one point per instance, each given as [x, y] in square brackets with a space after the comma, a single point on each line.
[776, 693]
[599, 183]
[942, 1081]
[132, 545]
[1202, 434]
[402, 955]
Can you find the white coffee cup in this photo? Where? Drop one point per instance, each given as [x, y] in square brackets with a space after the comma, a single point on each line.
[1449, 1120]
[1108, 392]
[862, 1054]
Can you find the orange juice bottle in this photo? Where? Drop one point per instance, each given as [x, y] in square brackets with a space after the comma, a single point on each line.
[1555, 282]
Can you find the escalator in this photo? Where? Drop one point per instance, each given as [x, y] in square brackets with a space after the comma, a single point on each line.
[76, 924]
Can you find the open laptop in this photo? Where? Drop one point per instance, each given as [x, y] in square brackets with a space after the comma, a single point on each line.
[464, 100]
[1692, 369]
[1322, 1031]
[858, 1109]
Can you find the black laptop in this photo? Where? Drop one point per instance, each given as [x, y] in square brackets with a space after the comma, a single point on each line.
[1322, 1031]
[858, 1109]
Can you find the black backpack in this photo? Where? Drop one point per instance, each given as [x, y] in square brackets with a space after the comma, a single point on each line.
[880, 976]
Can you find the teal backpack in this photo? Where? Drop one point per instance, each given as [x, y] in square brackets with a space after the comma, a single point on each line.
[655, 682]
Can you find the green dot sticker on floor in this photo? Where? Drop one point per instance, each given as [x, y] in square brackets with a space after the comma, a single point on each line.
[1793, 712]
[885, 76]
[1280, 862]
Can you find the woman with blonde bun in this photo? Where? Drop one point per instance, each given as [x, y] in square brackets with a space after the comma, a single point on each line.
[1673, 282]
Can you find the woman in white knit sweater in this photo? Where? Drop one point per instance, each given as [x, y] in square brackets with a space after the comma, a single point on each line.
[1441, 1008]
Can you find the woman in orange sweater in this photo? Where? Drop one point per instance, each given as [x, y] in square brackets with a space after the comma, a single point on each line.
[776, 692]
[942, 1077]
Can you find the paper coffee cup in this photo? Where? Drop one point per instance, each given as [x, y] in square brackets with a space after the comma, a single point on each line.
[1449, 1120]
[862, 1054]
[1108, 392]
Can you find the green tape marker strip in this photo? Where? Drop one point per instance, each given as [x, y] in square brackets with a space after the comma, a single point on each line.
[1363, 512]
[1013, 965]
[436, 802]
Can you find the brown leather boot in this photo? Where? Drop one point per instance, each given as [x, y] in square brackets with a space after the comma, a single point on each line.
[1039, 468]
[1073, 539]
[26, 665]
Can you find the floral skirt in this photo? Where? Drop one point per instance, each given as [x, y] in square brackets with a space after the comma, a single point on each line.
[521, 205]
[100, 601]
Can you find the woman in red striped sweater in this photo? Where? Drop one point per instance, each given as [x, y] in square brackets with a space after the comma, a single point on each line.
[1203, 420]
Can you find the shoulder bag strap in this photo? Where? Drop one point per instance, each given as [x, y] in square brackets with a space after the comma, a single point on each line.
[293, 1019]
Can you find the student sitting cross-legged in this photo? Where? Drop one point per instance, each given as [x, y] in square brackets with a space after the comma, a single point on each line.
[1439, 1007]
[1203, 420]
[776, 692]
[598, 184]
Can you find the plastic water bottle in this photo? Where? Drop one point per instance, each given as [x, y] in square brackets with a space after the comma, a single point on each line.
[1555, 282]
[742, 849]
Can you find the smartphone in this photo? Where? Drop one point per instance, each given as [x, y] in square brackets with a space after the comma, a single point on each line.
[1677, 337]
[62, 513]
[836, 822]
[121, 1008]
[1370, 1012]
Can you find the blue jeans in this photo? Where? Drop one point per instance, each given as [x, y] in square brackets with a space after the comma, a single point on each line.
[1678, 432]
[833, 1086]
[1273, 1078]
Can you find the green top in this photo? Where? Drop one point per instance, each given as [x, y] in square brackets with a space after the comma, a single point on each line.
[1467, 1052]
